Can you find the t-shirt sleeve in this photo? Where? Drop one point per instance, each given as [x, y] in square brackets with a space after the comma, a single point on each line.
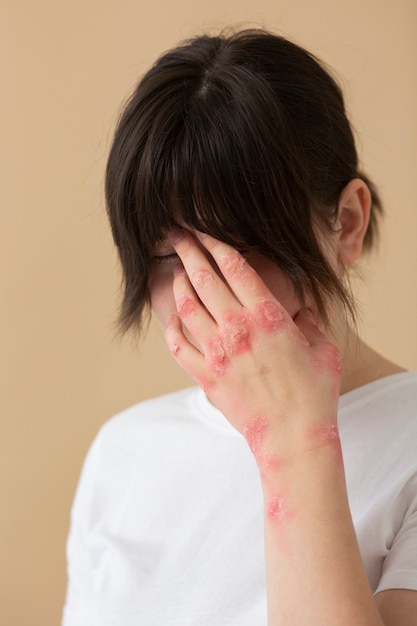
[400, 565]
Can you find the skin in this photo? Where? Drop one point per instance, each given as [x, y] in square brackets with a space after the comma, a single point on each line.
[236, 324]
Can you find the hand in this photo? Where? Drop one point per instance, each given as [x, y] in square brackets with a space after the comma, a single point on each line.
[276, 379]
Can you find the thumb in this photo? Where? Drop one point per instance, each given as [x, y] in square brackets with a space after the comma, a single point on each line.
[306, 323]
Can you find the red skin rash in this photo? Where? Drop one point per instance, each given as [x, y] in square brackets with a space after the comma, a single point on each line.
[267, 463]
[217, 356]
[327, 436]
[279, 515]
[236, 266]
[278, 510]
[254, 433]
[186, 307]
[268, 315]
[333, 359]
[202, 278]
[236, 333]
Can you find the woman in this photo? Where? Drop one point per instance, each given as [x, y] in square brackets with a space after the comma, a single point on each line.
[238, 208]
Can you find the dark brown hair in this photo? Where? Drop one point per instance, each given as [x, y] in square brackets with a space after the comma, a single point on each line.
[245, 137]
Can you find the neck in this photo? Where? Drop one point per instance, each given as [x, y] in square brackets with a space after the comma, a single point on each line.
[361, 364]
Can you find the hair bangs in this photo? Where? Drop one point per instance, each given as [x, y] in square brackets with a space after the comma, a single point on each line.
[225, 182]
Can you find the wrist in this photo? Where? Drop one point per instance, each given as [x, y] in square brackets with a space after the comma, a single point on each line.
[276, 450]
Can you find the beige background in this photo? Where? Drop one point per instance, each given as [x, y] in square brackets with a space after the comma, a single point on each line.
[66, 67]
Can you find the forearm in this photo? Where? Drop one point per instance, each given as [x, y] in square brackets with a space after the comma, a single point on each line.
[314, 569]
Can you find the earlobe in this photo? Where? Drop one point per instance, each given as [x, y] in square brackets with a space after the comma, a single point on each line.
[353, 218]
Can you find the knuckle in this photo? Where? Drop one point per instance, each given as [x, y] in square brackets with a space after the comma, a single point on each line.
[234, 264]
[202, 278]
[216, 355]
[235, 333]
[269, 314]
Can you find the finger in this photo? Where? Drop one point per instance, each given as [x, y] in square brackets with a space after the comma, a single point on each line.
[194, 315]
[187, 356]
[305, 322]
[247, 285]
[210, 287]
[325, 352]
[216, 345]
[243, 280]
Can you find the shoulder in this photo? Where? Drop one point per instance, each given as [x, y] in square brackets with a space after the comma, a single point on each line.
[382, 414]
[133, 430]
[149, 414]
[129, 437]
[378, 427]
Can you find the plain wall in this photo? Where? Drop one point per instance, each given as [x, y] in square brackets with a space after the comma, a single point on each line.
[66, 67]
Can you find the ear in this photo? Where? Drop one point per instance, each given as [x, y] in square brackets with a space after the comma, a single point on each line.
[353, 216]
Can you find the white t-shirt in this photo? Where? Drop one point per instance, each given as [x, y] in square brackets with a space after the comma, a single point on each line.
[167, 523]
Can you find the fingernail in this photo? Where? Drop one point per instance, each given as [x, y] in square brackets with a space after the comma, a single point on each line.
[175, 235]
